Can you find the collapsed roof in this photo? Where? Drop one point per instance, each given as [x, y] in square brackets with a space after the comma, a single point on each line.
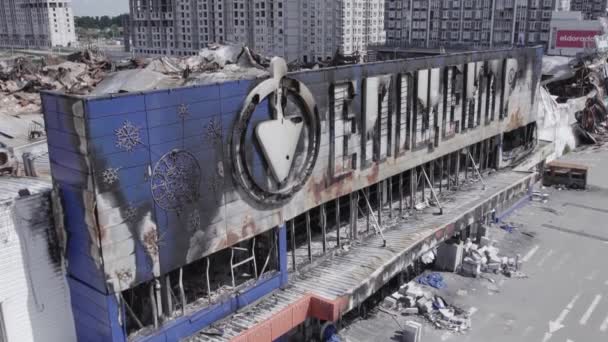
[92, 72]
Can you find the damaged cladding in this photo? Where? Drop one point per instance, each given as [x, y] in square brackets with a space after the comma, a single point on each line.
[197, 182]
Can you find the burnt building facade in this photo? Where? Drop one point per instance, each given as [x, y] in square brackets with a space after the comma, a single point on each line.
[183, 206]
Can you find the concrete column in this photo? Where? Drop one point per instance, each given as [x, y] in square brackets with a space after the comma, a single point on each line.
[432, 173]
[338, 222]
[413, 187]
[422, 169]
[308, 235]
[379, 199]
[498, 156]
[323, 219]
[442, 166]
[367, 209]
[481, 155]
[466, 164]
[449, 170]
[401, 194]
[292, 227]
[390, 197]
[354, 208]
[282, 242]
[167, 300]
[458, 156]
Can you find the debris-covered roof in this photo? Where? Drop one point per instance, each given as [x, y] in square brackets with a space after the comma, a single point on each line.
[92, 72]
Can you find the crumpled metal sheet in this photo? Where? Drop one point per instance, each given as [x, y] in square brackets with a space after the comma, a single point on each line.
[132, 81]
[92, 72]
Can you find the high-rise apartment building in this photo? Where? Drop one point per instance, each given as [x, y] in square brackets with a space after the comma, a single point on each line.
[303, 30]
[592, 9]
[468, 23]
[36, 23]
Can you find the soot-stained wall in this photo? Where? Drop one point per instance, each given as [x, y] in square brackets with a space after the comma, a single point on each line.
[153, 181]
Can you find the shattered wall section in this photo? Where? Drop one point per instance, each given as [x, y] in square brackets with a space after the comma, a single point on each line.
[555, 121]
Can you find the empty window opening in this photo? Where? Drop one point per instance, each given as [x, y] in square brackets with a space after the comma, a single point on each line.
[200, 284]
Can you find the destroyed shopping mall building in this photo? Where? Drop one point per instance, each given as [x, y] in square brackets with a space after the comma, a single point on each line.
[295, 191]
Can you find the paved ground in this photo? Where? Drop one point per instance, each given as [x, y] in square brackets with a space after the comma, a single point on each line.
[565, 298]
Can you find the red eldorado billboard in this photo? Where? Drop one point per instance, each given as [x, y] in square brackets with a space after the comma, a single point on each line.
[576, 38]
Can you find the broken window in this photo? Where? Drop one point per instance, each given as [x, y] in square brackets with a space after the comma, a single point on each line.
[518, 143]
[202, 283]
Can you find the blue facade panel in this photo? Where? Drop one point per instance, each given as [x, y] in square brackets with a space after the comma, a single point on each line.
[152, 182]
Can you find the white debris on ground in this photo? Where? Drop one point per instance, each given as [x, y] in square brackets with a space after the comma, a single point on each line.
[424, 296]
[414, 299]
[485, 258]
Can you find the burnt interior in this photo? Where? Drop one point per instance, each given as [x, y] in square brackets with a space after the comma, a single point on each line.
[315, 233]
[519, 143]
[200, 284]
[578, 85]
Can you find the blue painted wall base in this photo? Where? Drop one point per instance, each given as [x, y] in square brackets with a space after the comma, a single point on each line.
[98, 315]
[520, 203]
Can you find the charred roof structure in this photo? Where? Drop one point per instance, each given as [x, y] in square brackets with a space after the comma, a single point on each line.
[183, 205]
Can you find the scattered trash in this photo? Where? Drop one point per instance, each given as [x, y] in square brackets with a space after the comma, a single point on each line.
[421, 206]
[486, 259]
[488, 279]
[462, 292]
[507, 227]
[412, 332]
[410, 311]
[428, 257]
[432, 279]
[438, 303]
[449, 257]
[389, 302]
[538, 196]
[591, 122]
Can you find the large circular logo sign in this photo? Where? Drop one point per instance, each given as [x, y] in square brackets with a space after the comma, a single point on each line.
[275, 140]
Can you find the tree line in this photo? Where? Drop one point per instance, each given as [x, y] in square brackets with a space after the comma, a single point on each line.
[101, 23]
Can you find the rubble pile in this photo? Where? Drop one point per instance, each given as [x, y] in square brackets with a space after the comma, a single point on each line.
[92, 72]
[413, 299]
[484, 258]
[591, 125]
[582, 89]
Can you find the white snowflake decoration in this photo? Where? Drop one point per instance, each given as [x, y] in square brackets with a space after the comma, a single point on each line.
[110, 176]
[130, 213]
[213, 132]
[182, 111]
[128, 136]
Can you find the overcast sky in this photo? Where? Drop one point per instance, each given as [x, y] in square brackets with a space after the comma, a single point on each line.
[100, 7]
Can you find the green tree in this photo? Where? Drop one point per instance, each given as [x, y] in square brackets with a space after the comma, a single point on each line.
[102, 23]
